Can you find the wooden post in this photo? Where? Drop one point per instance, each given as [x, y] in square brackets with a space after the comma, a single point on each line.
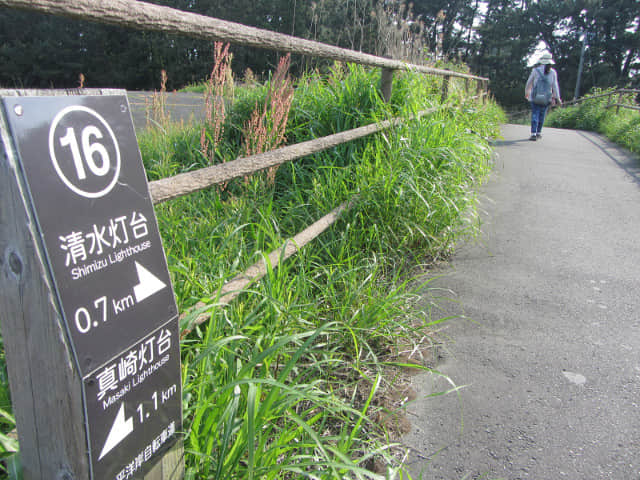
[445, 88]
[466, 86]
[171, 467]
[386, 83]
[45, 385]
[45, 381]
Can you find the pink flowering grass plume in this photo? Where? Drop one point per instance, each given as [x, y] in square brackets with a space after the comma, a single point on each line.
[265, 129]
[215, 110]
[157, 111]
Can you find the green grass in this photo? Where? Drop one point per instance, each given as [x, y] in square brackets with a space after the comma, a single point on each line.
[622, 127]
[283, 383]
[286, 381]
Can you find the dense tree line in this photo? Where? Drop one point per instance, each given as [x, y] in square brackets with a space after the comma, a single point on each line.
[494, 37]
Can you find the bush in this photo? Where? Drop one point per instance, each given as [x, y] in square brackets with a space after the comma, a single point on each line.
[622, 127]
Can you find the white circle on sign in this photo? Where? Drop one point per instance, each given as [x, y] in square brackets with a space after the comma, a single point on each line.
[85, 155]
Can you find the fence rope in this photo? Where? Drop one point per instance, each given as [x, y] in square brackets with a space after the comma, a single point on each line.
[150, 17]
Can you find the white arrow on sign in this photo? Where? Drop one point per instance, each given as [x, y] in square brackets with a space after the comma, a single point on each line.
[120, 429]
[149, 284]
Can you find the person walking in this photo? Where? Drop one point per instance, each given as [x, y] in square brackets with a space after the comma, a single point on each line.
[541, 90]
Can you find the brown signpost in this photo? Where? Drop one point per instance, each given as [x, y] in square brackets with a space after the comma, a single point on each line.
[89, 319]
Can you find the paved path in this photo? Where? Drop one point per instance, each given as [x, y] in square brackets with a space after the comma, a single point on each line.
[185, 107]
[550, 349]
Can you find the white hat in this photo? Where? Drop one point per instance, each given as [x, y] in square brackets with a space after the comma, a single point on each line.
[546, 59]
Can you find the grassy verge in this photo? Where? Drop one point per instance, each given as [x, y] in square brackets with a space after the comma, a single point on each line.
[286, 381]
[621, 127]
[291, 379]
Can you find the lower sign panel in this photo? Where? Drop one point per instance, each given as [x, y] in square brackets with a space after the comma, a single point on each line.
[134, 406]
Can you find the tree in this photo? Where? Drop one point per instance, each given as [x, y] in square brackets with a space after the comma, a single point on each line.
[613, 38]
[495, 37]
[450, 25]
[506, 37]
[512, 29]
[40, 51]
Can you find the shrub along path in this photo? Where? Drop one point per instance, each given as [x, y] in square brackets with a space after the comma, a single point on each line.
[550, 349]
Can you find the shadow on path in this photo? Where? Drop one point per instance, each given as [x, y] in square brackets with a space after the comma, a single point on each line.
[506, 143]
[623, 158]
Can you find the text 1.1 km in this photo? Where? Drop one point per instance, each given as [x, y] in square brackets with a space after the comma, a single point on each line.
[156, 400]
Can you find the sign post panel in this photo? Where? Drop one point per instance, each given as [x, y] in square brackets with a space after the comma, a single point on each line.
[88, 189]
[134, 402]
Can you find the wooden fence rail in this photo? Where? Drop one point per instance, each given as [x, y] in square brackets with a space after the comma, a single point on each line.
[619, 104]
[193, 181]
[150, 17]
[186, 183]
[619, 92]
[259, 269]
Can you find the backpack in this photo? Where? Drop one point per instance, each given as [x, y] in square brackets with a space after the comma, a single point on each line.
[542, 90]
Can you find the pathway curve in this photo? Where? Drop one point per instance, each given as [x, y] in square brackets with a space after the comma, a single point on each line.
[549, 350]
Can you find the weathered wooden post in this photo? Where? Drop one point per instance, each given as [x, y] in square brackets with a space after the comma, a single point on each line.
[89, 320]
[445, 88]
[386, 83]
[485, 90]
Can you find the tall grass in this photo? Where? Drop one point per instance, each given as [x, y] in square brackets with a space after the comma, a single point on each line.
[286, 380]
[622, 127]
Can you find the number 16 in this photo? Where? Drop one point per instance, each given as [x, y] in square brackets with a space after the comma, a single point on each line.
[89, 150]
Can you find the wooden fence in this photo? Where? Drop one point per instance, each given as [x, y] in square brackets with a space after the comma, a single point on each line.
[618, 104]
[64, 459]
[619, 92]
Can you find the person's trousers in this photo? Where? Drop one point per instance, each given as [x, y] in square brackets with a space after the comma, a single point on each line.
[538, 113]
